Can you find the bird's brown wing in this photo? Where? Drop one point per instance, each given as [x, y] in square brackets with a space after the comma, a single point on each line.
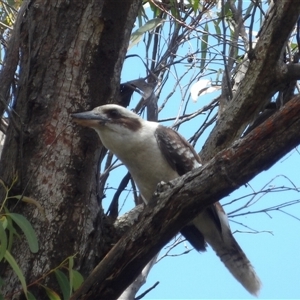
[182, 157]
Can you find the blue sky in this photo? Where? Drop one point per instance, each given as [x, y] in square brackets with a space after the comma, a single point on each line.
[273, 250]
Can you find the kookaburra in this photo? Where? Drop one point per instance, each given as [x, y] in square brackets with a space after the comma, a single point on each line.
[153, 153]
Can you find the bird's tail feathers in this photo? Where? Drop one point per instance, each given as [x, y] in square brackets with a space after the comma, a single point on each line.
[238, 264]
[218, 235]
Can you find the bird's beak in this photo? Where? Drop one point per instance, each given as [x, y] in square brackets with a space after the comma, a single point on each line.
[89, 118]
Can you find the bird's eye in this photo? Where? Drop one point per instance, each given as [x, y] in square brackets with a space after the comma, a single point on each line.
[114, 113]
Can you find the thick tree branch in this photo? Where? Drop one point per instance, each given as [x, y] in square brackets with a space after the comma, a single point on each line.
[172, 209]
[261, 80]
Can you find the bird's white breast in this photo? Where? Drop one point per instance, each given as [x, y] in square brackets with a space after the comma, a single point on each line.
[141, 155]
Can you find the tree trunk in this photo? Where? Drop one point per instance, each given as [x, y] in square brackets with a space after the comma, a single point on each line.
[71, 58]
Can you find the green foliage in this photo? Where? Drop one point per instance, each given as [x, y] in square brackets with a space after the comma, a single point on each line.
[9, 224]
[8, 221]
[27, 229]
[30, 296]
[204, 43]
[12, 262]
[77, 279]
[3, 237]
[67, 284]
[64, 284]
[51, 294]
[148, 26]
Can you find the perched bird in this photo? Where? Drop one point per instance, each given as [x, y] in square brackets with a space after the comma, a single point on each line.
[153, 153]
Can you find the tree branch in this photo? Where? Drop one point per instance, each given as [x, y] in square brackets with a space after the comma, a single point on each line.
[260, 82]
[170, 210]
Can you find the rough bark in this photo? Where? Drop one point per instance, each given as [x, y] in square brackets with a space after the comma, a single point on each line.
[71, 57]
[187, 196]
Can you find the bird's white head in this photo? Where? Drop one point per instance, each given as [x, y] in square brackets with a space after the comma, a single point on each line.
[114, 124]
[109, 116]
